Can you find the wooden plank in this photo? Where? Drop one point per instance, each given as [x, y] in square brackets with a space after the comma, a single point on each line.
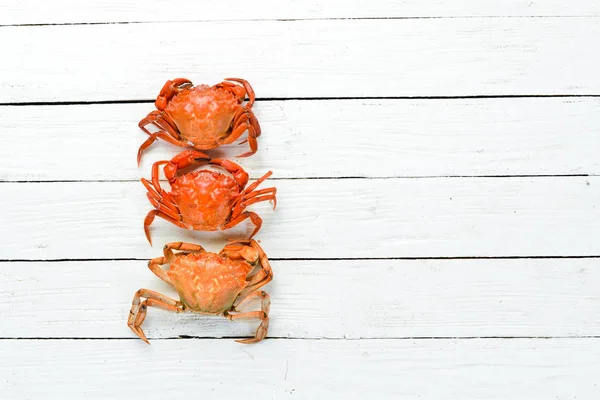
[357, 58]
[459, 137]
[496, 369]
[319, 299]
[97, 11]
[322, 218]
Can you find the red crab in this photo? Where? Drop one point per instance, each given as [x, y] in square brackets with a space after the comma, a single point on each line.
[204, 200]
[208, 283]
[203, 117]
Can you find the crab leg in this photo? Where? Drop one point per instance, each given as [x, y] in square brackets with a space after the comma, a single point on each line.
[237, 117]
[255, 184]
[263, 315]
[161, 121]
[259, 279]
[260, 195]
[256, 193]
[253, 133]
[161, 197]
[137, 314]
[265, 300]
[163, 203]
[150, 218]
[244, 115]
[239, 205]
[168, 132]
[256, 220]
[163, 208]
[243, 121]
[154, 266]
[249, 90]
[153, 136]
[259, 199]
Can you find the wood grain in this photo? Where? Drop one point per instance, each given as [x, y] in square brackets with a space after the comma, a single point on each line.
[494, 369]
[323, 218]
[98, 11]
[319, 299]
[335, 138]
[298, 59]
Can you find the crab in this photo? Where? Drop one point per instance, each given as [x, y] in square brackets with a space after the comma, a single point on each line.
[204, 200]
[208, 283]
[203, 117]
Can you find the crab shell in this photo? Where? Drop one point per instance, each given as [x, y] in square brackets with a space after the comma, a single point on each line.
[203, 114]
[205, 199]
[209, 283]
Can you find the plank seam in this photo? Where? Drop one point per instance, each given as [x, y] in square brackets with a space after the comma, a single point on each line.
[399, 18]
[309, 178]
[187, 337]
[542, 257]
[462, 97]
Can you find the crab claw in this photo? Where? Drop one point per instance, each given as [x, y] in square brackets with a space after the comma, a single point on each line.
[170, 89]
[183, 160]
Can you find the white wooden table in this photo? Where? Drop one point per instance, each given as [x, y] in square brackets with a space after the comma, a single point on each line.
[438, 220]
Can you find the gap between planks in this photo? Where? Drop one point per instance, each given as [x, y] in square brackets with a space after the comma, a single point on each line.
[268, 99]
[549, 257]
[325, 178]
[324, 339]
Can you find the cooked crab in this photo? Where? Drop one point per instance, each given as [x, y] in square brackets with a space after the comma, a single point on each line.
[209, 283]
[204, 200]
[203, 117]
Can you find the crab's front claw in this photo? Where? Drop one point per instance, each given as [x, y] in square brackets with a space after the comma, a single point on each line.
[184, 159]
[239, 175]
[169, 90]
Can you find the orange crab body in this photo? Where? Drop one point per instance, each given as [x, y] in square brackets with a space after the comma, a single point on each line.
[204, 200]
[208, 283]
[203, 117]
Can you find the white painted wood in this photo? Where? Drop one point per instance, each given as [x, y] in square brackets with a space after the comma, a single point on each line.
[322, 218]
[336, 138]
[440, 50]
[319, 299]
[72, 11]
[494, 369]
[417, 57]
